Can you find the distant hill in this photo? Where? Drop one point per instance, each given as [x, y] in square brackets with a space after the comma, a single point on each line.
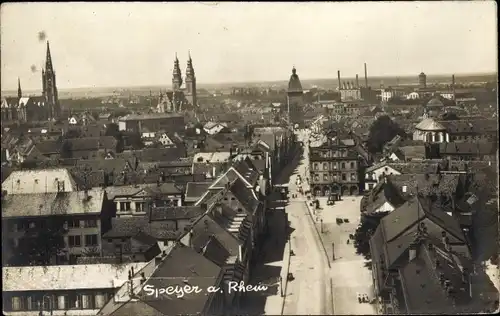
[331, 83]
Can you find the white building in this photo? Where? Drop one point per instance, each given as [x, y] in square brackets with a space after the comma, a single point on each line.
[39, 181]
[431, 131]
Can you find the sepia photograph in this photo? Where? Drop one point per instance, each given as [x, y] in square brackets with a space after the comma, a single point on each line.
[249, 158]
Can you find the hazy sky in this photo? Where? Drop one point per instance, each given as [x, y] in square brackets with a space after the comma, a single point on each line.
[134, 44]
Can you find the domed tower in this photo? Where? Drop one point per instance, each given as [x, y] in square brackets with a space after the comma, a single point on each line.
[176, 75]
[190, 82]
[295, 102]
[422, 80]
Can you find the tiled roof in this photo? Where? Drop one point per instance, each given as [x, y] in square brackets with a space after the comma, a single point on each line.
[49, 147]
[425, 184]
[206, 228]
[156, 116]
[176, 213]
[182, 266]
[92, 143]
[427, 166]
[463, 148]
[50, 204]
[123, 227]
[155, 154]
[108, 165]
[195, 190]
[405, 217]
[50, 278]
[477, 126]
[413, 152]
[152, 189]
[38, 181]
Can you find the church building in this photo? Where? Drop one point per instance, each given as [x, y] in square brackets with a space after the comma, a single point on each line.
[179, 98]
[34, 108]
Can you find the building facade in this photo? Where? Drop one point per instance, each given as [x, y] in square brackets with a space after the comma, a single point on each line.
[334, 168]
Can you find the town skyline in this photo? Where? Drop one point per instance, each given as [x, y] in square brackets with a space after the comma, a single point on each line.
[150, 58]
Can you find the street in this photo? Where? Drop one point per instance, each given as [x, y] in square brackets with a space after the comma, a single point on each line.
[349, 272]
[309, 292]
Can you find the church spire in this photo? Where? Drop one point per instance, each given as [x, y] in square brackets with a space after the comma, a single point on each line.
[189, 69]
[176, 75]
[48, 59]
[19, 91]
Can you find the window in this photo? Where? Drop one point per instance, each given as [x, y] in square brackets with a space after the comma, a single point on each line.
[17, 303]
[75, 241]
[90, 240]
[370, 186]
[32, 225]
[353, 165]
[73, 223]
[139, 207]
[353, 177]
[325, 177]
[13, 227]
[74, 301]
[316, 166]
[91, 223]
[124, 206]
[344, 177]
[316, 177]
[325, 166]
[343, 165]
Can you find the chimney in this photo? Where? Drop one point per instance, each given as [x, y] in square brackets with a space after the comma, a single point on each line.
[357, 82]
[366, 77]
[132, 271]
[338, 76]
[190, 242]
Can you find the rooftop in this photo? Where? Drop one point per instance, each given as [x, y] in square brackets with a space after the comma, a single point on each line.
[52, 278]
[52, 204]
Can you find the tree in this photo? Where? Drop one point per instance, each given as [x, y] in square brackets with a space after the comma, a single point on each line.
[382, 131]
[41, 246]
[66, 150]
[73, 133]
[365, 231]
[450, 116]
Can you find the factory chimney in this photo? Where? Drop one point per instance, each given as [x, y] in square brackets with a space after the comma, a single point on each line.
[338, 76]
[357, 82]
[366, 77]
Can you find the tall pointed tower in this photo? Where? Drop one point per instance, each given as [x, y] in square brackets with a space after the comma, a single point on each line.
[19, 91]
[176, 76]
[50, 88]
[190, 82]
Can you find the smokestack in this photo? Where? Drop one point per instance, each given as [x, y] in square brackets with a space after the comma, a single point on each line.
[357, 81]
[338, 76]
[366, 77]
